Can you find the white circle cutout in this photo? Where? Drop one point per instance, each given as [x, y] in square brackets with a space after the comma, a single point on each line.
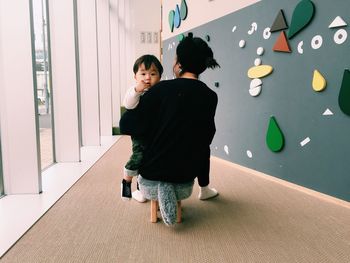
[340, 36]
[267, 33]
[316, 42]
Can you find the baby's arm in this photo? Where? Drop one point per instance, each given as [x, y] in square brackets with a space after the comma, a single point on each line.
[132, 96]
[131, 99]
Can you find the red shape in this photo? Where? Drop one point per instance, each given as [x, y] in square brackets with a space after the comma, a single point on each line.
[281, 44]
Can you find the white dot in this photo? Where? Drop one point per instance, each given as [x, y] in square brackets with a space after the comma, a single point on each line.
[316, 42]
[267, 33]
[340, 36]
[241, 43]
[249, 154]
[260, 51]
[234, 28]
[257, 62]
[226, 150]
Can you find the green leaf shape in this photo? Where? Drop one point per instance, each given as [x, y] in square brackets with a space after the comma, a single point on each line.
[171, 20]
[274, 136]
[302, 16]
[344, 93]
[183, 9]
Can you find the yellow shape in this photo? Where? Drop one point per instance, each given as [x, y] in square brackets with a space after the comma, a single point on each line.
[259, 71]
[318, 81]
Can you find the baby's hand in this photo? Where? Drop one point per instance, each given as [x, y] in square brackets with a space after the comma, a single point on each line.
[142, 86]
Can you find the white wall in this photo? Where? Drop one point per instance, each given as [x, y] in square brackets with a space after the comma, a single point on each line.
[64, 80]
[212, 10]
[104, 65]
[18, 112]
[88, 70]
[130, 18]
[115, 60]
[146, 24]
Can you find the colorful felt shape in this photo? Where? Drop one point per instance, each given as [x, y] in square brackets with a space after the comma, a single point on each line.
[274, 136]
[318, 81]
[257, 61]
[300, 47]
[302, 16]
[281, 44]
[180, 37]
[340, 36]
[260, 51]
[183, 10]
[171, 20]
[337, 22]
[279, 23]
[255, 83]
[255, 87]
[259, 71]
[305, 141]
[255, 91]
[327, 112]
[344, 93]
[316, 42]
[177, 17]
[241, 43]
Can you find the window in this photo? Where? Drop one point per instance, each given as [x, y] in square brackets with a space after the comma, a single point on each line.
[43, 83]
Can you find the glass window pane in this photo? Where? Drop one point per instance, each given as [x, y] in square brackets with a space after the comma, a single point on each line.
[43, 87]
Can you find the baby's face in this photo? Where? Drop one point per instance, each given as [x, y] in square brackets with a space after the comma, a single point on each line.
[148, 76]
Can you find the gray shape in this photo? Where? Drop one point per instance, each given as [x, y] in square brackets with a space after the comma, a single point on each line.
[279, 23]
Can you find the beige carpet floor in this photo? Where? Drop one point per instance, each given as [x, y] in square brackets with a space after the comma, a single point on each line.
[253, 220]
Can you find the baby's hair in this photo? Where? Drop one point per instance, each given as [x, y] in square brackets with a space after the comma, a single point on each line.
[194, 55]
[148, 60]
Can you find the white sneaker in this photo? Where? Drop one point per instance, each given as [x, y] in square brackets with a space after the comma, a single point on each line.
[138, 196]
[206, 193]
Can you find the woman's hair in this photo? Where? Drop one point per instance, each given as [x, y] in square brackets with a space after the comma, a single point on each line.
[148, 60]
[194, 55]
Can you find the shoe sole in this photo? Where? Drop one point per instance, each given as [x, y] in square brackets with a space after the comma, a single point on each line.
[208, 197]
[124, 198]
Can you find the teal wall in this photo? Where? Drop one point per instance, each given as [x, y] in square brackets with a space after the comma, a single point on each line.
[242, 120]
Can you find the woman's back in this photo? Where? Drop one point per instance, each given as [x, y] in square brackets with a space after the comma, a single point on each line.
[179, 115]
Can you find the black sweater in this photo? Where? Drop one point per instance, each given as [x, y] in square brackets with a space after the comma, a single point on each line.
[176, 119]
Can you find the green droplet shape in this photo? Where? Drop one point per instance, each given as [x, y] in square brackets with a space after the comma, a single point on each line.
[274, 136]
[183, 9]
[171, 20]
[180, 37]
[302, 15]
[344, 93]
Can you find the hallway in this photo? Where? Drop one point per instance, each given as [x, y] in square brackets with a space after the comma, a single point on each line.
[252, 220]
